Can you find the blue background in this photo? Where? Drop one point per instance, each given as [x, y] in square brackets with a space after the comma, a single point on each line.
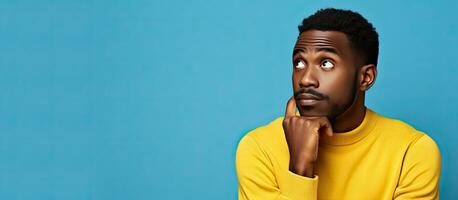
[148, 99]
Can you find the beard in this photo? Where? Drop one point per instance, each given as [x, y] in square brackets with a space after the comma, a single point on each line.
[330, 108]
[340, 109]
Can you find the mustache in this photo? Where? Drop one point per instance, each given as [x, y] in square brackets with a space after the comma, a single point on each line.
[311, 91]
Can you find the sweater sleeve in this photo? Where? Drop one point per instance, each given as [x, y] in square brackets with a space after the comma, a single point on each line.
[420, 172]
[257, 179]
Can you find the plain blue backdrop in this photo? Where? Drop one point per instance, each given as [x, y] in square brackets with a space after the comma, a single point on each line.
[148, 99]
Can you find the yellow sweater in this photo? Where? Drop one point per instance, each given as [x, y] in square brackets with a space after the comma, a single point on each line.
[382, 158]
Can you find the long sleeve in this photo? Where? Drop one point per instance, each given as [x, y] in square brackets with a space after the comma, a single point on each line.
[257, 180]
[420, 171]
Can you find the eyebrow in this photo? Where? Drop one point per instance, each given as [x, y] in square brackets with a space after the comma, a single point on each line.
[325, 49]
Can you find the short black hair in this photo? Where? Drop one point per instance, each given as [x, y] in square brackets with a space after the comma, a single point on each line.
[360, 32]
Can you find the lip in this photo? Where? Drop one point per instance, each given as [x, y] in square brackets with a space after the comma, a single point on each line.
[308, 102]
[307, 96]
[307, 99]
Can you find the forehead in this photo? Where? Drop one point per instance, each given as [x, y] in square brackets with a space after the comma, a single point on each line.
[314, 39]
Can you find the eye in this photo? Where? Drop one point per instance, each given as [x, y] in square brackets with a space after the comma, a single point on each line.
[327, 64]
[300, 64]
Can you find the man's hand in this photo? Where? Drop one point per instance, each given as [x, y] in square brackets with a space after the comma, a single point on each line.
[302, 136]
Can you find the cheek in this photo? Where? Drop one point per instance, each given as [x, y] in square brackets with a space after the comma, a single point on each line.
[295, 80]
[338, 87]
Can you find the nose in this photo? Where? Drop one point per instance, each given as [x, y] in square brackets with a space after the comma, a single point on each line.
[308, 78]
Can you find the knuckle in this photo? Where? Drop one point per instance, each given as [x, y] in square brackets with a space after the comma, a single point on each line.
[285, 122]
[308, 122]
[300, 121]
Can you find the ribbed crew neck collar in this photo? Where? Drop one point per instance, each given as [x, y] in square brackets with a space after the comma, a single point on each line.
[355, 135]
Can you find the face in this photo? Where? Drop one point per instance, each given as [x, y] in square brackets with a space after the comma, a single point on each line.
[325, 73]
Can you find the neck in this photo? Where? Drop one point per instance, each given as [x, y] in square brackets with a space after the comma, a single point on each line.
[351, 118]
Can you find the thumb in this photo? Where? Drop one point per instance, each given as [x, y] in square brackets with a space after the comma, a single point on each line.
[290, 108]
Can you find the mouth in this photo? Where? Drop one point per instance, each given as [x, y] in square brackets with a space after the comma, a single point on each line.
[307, 99]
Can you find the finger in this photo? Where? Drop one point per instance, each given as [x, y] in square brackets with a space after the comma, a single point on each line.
[290, 108]
[326, 127]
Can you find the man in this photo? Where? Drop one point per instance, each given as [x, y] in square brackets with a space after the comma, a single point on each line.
[335, 147]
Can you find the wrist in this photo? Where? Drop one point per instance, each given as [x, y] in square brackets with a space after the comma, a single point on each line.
[302, 169]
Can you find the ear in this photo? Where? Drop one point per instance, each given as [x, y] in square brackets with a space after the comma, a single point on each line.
[367, 75]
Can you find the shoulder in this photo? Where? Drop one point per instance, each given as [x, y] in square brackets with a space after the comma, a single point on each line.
[267, 140]
[265, 135]
[399, 131]
[426, 147]
[418, 154]
[421, 169]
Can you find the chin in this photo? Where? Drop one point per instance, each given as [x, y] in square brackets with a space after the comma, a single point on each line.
[312, 112]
